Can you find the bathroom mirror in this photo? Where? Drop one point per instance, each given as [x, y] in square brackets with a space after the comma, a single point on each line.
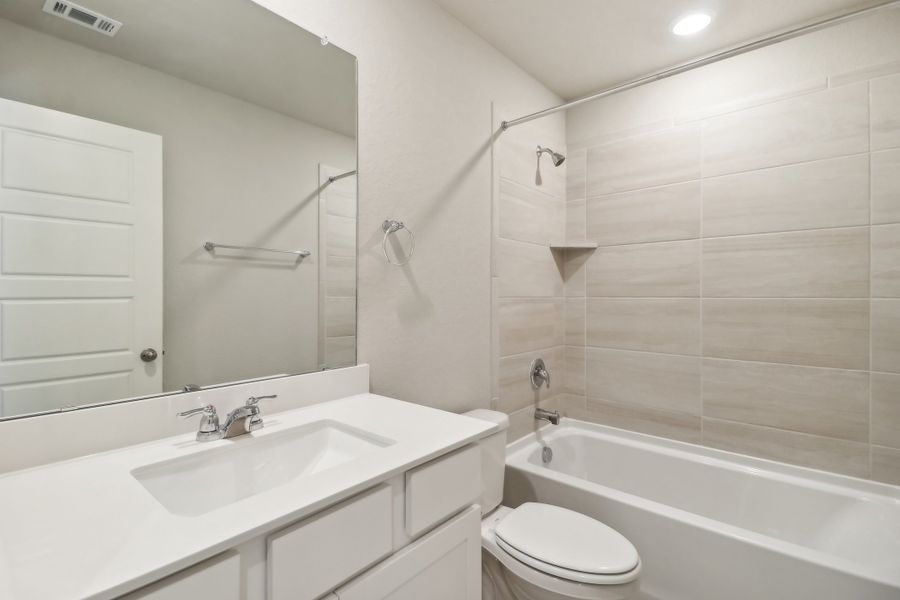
[177, 200]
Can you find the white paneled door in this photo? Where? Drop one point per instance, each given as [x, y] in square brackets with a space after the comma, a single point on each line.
[80, 260]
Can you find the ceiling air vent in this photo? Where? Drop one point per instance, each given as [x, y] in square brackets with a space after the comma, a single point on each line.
[83, 16]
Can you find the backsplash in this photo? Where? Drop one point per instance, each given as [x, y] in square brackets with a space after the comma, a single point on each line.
[746, 291]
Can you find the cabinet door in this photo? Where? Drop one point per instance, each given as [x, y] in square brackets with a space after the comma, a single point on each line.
[444, 565]
[218, 578]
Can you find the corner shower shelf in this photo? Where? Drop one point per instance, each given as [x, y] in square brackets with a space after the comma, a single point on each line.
[573, 245]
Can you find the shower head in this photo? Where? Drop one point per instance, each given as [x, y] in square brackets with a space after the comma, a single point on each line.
[558, 158]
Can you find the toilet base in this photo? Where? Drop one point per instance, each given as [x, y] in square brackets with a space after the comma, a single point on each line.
[498, 583]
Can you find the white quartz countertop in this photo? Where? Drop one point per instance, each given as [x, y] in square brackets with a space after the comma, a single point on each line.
[86, 528]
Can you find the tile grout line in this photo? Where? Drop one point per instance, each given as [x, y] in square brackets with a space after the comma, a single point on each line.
[700, 260]
[703, 177]
[869, 131]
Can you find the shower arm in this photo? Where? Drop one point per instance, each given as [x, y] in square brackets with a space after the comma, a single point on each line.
[706, 60]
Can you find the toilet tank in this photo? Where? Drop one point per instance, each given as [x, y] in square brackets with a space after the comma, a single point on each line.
[493, 458]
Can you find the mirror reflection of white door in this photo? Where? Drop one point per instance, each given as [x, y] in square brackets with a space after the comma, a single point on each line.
[80, 260]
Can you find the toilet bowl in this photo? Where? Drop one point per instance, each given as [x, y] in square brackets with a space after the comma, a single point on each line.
[544, 552]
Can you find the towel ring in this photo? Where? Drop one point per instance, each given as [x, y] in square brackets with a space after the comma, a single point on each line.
[391, 226]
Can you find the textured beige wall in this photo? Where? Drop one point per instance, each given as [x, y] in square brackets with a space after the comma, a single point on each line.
[426, 84]
[745, 292]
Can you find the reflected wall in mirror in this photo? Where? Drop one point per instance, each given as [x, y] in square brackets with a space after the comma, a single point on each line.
[176, 209]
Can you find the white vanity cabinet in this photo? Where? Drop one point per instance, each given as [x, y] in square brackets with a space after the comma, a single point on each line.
[444, 565]
[422, 527]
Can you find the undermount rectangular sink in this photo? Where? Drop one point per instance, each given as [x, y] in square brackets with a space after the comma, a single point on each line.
[250, 465]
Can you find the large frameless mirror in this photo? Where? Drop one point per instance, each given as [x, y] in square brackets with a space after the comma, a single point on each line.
[177, 200]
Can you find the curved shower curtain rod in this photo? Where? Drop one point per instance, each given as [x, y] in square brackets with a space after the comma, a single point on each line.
[706, 60]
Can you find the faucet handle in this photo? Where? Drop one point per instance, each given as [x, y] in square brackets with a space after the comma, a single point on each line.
[208, 410]
[209, 422]
[254, 400]
[256, 421]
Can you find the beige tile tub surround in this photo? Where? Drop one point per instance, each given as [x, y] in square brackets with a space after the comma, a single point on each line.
[670, 212]
[644, 161]
[528, 215]
[886, 409]
[648, 380]
[528, 270]
[815, 332]
[824, 193]
[746, 291]
[575, 370]
[531, 324]
[885, 98]
[668, 269]
[650, 324]
[516, 391]
[826, 263]
[886, 186]
[886, 334]
[828, 402]
[575, 315]
[820, 125]
[842, 456]
[886, 261]
[886, 464]
[670, 424]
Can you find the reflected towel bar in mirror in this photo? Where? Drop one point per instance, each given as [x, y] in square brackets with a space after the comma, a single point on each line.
[334, 178]
[210, 246]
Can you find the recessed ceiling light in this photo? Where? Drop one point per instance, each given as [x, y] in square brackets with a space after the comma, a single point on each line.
[691, 24]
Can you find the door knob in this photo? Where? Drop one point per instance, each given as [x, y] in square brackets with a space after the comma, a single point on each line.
[149, 355]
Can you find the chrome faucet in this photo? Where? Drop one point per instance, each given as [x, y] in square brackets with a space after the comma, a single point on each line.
[241, 420]
[547, 415]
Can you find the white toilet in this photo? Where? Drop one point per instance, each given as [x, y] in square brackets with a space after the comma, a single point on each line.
[544, 552]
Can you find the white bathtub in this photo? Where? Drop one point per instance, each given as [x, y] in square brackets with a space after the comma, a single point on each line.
[713, 525]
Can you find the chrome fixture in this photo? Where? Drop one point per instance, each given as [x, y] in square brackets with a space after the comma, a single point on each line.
[391, 226]
[191, 387]
[334, 178]
[546, 455]
[547, 415]
[241, 420]
[538, 374]
[556, 157]
[149, 355]
[210, 246]
[706, 60]
[209, 423]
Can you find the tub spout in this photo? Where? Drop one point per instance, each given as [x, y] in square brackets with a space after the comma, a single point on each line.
[547, 415]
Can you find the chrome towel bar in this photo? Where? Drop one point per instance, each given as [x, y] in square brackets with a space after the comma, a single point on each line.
[210, 246]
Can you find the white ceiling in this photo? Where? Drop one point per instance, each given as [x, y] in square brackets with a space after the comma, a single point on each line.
[575, 47]
[232, 46]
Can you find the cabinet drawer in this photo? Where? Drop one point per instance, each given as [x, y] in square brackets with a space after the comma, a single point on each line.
[437, 489]
[443, 565]
[308, 559]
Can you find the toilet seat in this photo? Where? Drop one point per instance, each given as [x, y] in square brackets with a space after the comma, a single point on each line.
[566, 544]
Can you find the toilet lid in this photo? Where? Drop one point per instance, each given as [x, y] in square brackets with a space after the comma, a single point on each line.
[566, 539]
